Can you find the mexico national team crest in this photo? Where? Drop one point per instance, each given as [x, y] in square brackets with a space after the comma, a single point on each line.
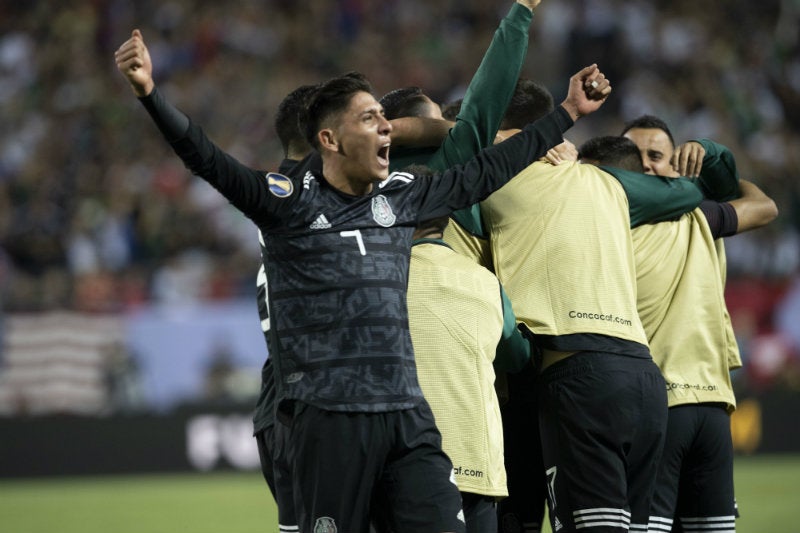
[279, 185]
[382, 211]
[325, 524]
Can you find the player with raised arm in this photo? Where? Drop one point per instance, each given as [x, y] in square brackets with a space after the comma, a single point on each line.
[338, 243]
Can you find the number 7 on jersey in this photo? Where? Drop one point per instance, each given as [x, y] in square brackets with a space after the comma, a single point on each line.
[357, 234]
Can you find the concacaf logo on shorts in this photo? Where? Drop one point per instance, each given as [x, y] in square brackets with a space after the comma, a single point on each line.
[382, 211]
[279, 185]
[325, 524]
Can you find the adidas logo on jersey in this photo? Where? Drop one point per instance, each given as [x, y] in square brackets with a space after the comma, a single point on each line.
[320, 223]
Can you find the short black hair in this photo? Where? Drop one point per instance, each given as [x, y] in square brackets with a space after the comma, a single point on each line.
[613, 151]
[648, 122]
[287, 119]
[530, 102]
[330, 98]
[404, 102]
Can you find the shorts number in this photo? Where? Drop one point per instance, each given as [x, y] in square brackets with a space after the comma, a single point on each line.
[551, 485]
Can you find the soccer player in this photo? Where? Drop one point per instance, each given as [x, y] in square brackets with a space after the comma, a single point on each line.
[680, 269]
[338, 243]
[295, 148]
[463, 327]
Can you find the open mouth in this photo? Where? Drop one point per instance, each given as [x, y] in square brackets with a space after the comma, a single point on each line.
[383, 155]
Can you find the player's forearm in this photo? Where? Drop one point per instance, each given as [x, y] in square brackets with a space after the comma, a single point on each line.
[239, 184]
[754, 208]
[419, 131]
[172, 123]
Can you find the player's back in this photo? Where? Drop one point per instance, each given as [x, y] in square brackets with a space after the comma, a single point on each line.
[456, 321]
[562, 249]
[682, 307]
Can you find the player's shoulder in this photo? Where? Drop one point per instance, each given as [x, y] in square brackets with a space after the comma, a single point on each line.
[292, 181]
[398, 180]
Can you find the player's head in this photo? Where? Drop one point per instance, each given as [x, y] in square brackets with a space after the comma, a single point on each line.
[451, 110]
[530, 102]
[287, 123]
[346, 124]
[612, 151]
[409, 102]
[655, 142]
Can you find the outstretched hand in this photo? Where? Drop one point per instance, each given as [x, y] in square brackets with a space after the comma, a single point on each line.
[588, 89]
[133, 61]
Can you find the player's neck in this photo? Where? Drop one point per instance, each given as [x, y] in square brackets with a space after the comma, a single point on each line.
[342, 181]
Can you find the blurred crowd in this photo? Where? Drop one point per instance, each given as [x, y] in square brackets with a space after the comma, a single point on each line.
[97, 215]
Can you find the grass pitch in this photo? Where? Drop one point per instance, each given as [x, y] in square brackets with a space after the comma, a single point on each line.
[192, 503]
[767, 489]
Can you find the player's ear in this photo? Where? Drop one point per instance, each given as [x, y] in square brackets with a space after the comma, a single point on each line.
[327, 140]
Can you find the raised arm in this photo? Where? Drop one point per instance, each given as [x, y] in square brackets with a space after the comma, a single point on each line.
[244, 187]
[463, 185]
[489, 91]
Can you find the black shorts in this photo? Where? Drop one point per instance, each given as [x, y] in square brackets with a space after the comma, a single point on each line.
[695, 479]
[602, 419]
[348, 466]
[278, 477]
[264, 439]
[480, 512]
[523, 510]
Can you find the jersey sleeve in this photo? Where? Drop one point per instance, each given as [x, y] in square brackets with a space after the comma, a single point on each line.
[464, 185]
[656, 198]
[719, 177]
[721, 217]
[489, 92]
[246, 188]
[513, 350]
